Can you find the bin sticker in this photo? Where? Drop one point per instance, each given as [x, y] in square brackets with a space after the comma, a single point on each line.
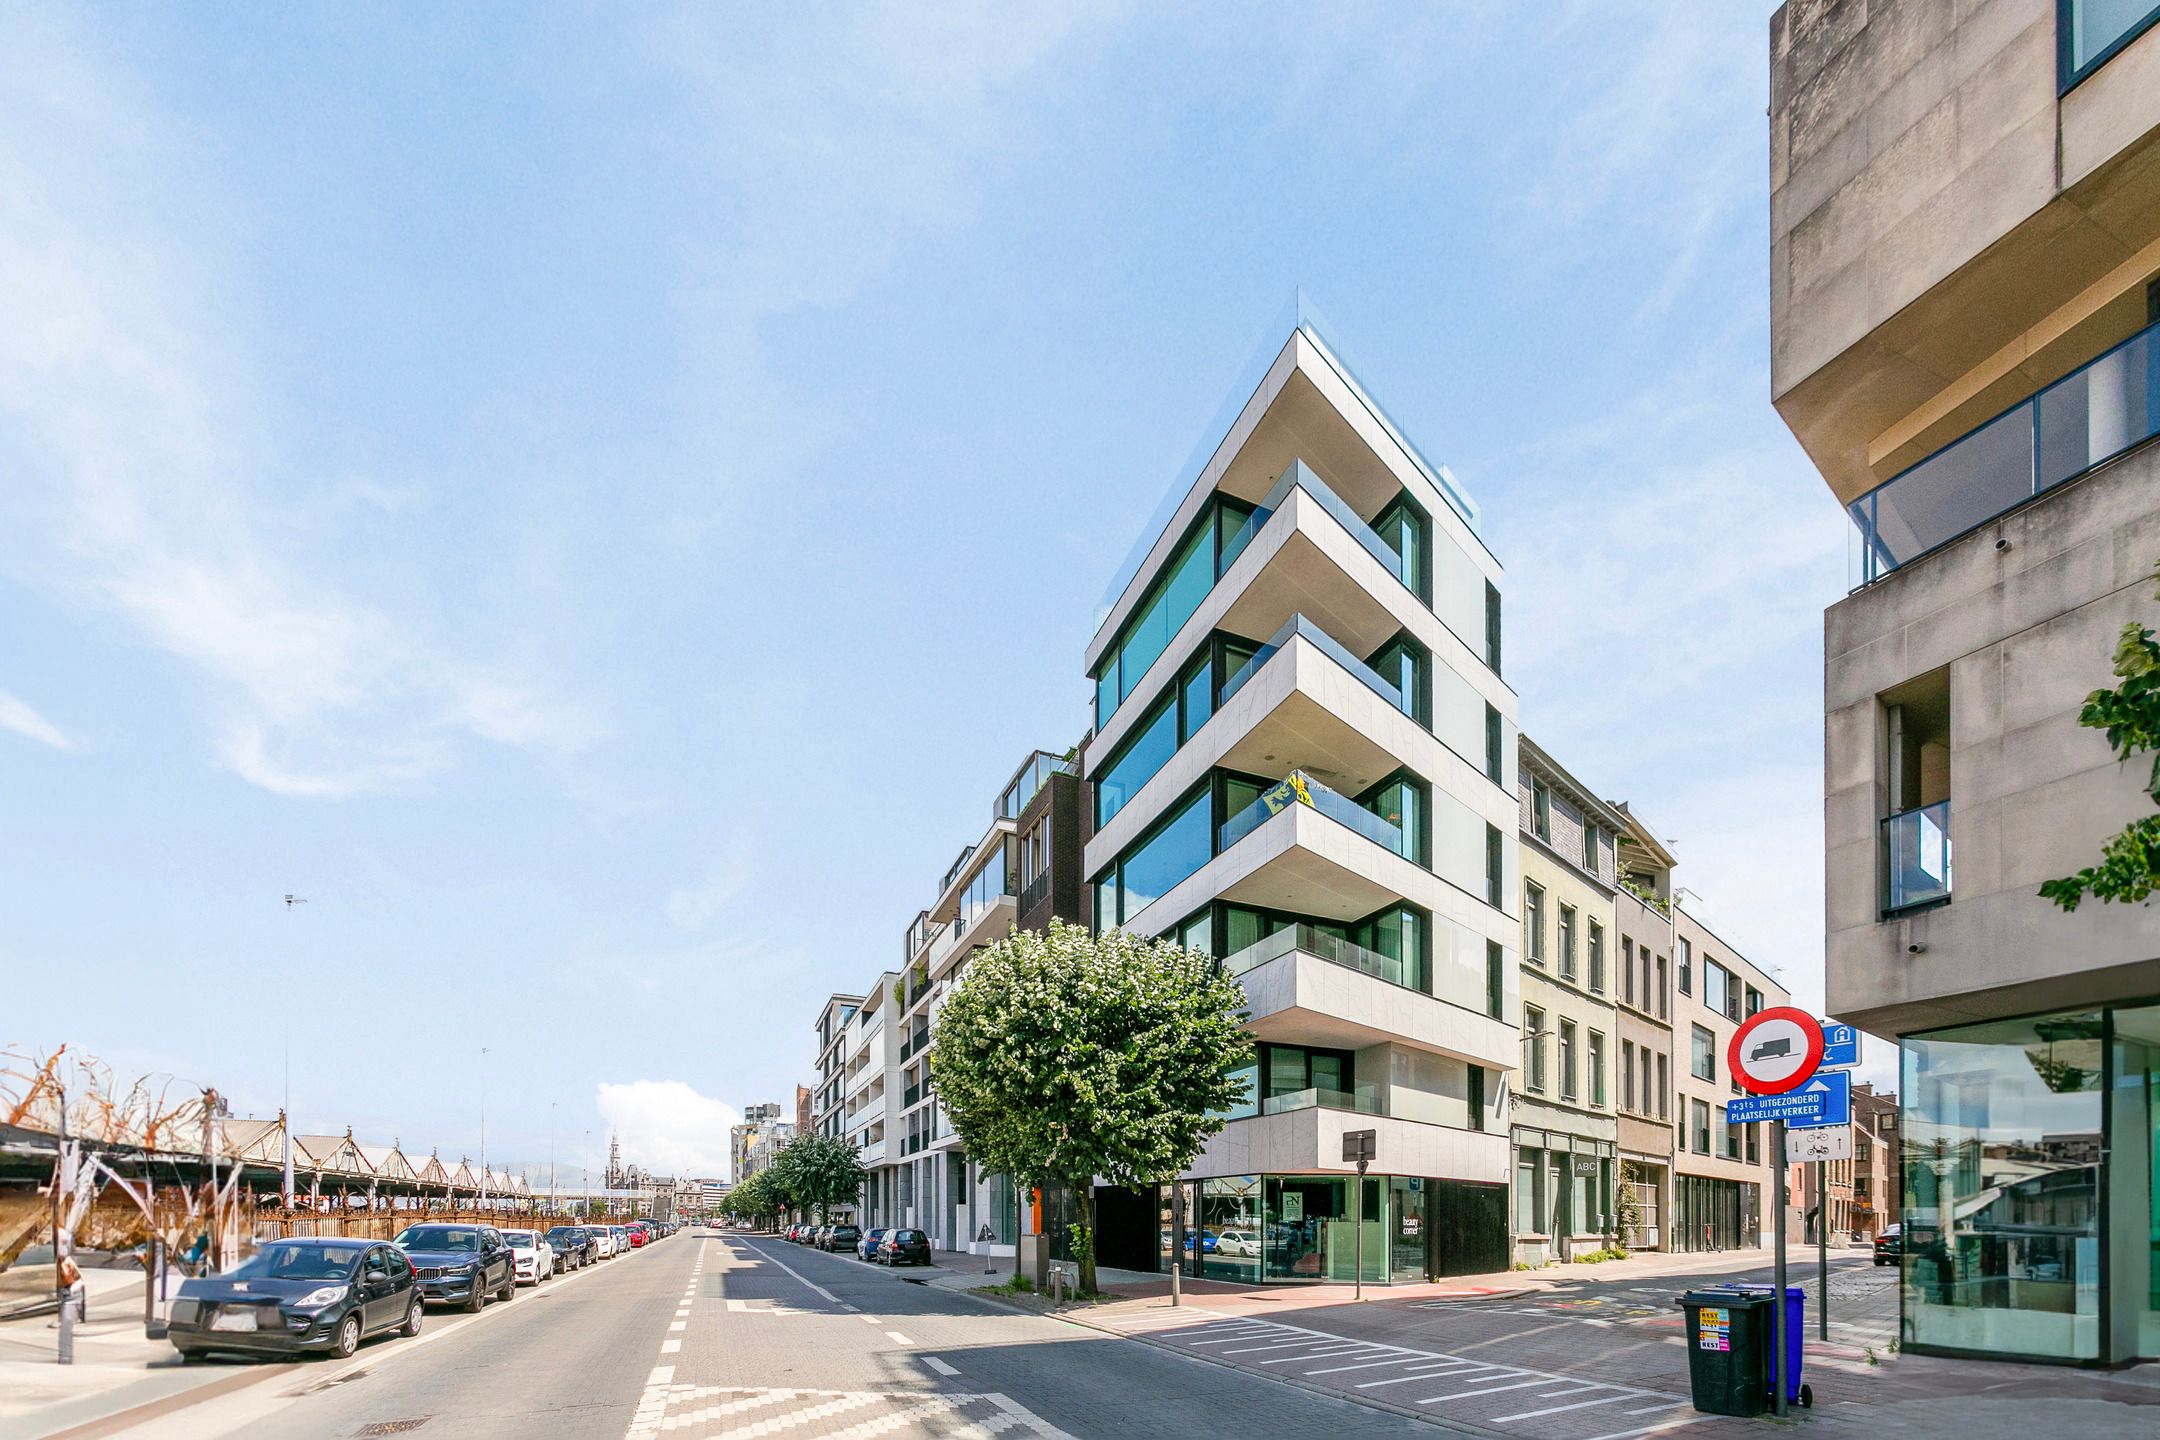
[1713, 1328]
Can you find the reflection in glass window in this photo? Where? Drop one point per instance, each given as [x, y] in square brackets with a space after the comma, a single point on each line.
[2002, 1161]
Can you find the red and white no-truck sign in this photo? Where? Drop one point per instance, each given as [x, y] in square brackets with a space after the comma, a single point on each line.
[1775, 1050]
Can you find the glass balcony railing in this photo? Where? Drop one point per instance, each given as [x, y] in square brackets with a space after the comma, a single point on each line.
[1034, 774]
[1916, 845]
[1298, 788]
[1326, 947]
[1298, 625]
[1323, 1100]
[2081, 421]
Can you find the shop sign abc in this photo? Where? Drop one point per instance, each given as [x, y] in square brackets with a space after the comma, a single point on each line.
[1775, 1050]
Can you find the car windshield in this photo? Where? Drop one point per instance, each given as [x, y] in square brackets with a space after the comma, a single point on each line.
[520, 1239]
[440, 1237]
[299, 1260]
[564, 1232]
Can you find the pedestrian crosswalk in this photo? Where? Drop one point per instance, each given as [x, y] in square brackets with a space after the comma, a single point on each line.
[696, 1412]
[1485, 1392]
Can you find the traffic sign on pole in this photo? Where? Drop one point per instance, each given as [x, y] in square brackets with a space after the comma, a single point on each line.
[1775, 1050]
[1824, 1100]
[1841, 1045]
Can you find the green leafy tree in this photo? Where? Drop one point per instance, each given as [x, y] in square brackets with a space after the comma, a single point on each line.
[2129, 868]
[817, 1172]
[1067, 1056]
[754, 1199]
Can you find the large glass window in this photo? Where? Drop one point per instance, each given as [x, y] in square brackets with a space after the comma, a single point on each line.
[1311, 1232]
[1170, 602]
[1533, 923]
[2003, 1136]
[1533, 1024]
[2094, 29]
[1151, 869]
[1137, 760]
[1716, 986]
[1402, 528]
[1597, 958]
[1400, 800]
[1567, 1060]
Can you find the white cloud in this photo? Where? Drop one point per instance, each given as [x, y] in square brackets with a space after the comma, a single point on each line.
[141, 446]
[668, 1127]
[16, 715]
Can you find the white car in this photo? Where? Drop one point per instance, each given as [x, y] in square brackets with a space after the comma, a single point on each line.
[1239, 1243]
[603, 1241]
[535, 1258]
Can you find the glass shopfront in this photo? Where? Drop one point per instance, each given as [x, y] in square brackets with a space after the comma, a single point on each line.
[1311, 1228]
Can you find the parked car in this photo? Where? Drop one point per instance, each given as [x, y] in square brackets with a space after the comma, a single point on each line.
[298, 1297]
[622, 1239]
[603, 1240]
[575, 1246]
[1242, 1243]
[841, 1237]
[904, 1247]
[866, 1247]
[531, 1256]
[460, 1264]
[1889, 1246]
[638, 1234]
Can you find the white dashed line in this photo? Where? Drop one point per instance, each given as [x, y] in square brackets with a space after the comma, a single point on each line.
[939, 1365]
[897, 1338]
[676, 1325]
[670, 1347]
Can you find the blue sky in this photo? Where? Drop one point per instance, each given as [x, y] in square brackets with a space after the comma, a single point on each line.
[598, 503]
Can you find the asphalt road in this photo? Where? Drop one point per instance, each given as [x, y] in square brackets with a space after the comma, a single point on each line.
[711, 1335]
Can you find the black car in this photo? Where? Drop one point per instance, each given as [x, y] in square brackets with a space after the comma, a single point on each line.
[840, 1237]
[314, 1296]
[574, 1245]
[460, 1264]
[1889, 1245]
[904, 1247]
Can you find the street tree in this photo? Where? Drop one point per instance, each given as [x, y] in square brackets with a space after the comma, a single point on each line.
[2129, 715]
[1067, 1056]
[817, 1172]
[754, 1199]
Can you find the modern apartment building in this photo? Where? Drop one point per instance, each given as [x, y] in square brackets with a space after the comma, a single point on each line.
[1643, 1092]
[834, 1031]
[869, 1078]
[1854, 1196]
[1724, 1175]
[1564, 1128]
[1026, 864]
[1965, 240]
[743, 1138]
[1304, 762]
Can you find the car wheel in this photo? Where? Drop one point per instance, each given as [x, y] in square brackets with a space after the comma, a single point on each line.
[477, 1301]
[411, 1327]
[189, 1357]
[348, 1337]
[509, 1287]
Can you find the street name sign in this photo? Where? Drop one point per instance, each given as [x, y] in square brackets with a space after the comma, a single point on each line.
[1359, 1148]
[1840, 1046]
[1821, 1142]
[1775, 1050]
[1824, 1100]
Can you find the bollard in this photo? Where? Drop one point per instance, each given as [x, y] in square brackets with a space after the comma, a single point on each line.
[1175, 1297]
[1057, 1284]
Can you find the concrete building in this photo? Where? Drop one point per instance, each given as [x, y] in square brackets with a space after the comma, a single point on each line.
[825, 1102]
[744, 1139]
[1304, 762]
[1026, 863]
[805, 1111]
[1965, 239]
[1564, 1129]
[1724, 1176]
[1644, 1090]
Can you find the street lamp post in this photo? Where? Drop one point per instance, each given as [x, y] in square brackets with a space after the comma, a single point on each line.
[483, 1128]
[551, 1157]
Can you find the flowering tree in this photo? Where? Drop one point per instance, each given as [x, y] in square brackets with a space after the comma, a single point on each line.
[1068, 1056]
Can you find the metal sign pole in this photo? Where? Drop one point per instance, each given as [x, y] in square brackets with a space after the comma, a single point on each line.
[1357, 1226]
[1822, 1249]
[1777, 1311]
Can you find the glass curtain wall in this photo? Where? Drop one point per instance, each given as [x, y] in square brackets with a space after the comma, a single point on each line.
[2134, 1184]
[1208, 549]
[2004, 1128]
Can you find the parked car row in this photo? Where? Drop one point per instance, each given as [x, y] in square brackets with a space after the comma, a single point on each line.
[323, 1295]
[895, 1246]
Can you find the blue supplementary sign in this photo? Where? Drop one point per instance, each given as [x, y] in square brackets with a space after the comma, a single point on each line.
[1824, 1100]
[1841, 1045]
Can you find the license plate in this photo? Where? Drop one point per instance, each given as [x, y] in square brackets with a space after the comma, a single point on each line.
[233, 1320]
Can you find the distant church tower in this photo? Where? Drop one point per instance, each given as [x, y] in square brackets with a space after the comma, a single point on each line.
[614, 1161]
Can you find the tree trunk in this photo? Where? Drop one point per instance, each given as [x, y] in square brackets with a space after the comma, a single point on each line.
[1084, 1196]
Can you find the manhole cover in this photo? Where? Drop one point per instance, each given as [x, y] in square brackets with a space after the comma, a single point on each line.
[393, 1427]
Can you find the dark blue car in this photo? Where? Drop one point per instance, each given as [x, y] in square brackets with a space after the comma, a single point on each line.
[314, 1296]
[460, 1264]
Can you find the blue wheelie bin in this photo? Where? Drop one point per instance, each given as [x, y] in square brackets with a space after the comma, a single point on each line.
[1796, 1393]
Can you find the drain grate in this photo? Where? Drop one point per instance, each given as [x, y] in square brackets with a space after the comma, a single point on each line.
[394, 1427]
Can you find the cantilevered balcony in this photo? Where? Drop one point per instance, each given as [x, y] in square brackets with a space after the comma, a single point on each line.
[1306, 987]
[2082, 421]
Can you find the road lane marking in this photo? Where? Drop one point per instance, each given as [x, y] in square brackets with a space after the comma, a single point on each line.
[670, 1347]
[786, 1270]
[678, 1325]
[1322, 1354]
[869, 1319]
[1553, 1410]
[1430, 1374]
[1486, 1390]
[897, 1338]
[1367, 1365]
[939, 1365]
[1652, 1429]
